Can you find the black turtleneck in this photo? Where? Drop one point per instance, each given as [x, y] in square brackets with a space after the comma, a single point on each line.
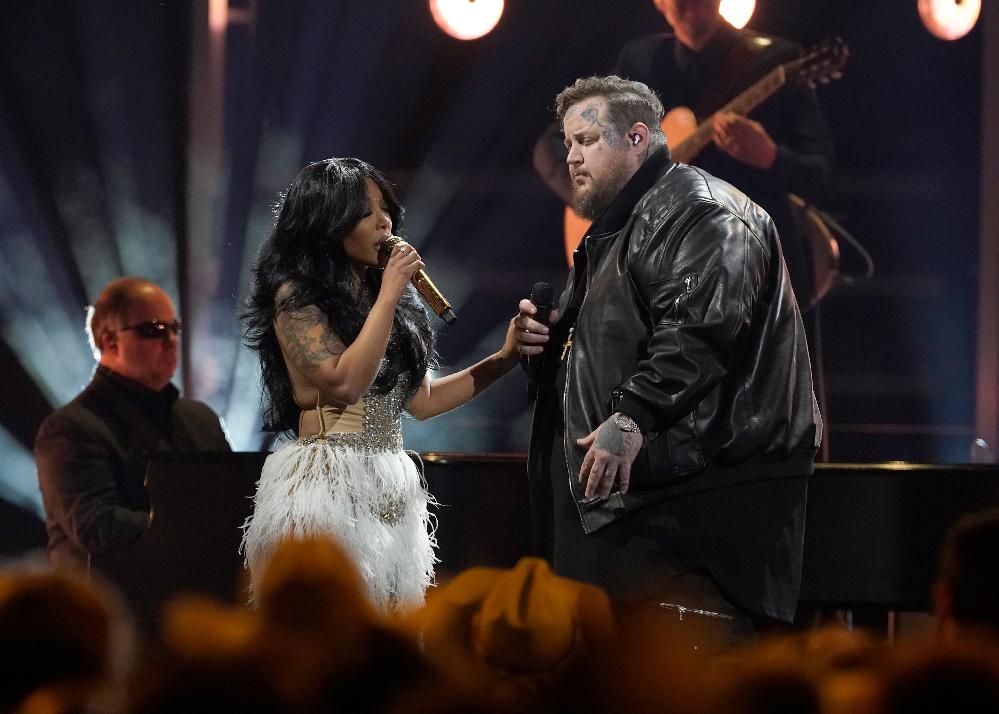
[156, 405]
[613, 218]
[702, 66]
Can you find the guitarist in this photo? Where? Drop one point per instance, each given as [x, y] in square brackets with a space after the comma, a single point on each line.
[783, 146]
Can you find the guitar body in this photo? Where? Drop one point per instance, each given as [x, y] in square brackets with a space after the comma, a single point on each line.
[678, 125]
[574, 228]
[821, 243]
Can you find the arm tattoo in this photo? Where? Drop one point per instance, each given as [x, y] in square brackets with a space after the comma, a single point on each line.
[304, 344]
[611, 440]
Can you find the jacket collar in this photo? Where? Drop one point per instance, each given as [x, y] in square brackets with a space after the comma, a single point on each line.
[157, 406]
[617, 213]
[712, 54]
[148, 412]
[107, 376]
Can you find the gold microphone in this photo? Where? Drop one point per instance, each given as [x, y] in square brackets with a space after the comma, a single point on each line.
[424, 285]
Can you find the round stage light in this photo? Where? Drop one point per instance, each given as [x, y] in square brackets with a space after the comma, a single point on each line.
[737, 12]
[466, 19]
[949, 19]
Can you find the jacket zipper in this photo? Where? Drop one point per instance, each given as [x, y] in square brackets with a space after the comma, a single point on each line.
[568, 344]
[565, 418]
[565, 396]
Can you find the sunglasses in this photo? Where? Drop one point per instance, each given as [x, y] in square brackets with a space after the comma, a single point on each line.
[154, 329]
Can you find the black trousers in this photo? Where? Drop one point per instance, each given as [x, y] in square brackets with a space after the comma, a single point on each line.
[644, 562]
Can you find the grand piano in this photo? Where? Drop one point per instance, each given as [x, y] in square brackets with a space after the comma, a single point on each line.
[871, 539]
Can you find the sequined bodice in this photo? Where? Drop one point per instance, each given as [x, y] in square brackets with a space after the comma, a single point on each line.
[381, 424]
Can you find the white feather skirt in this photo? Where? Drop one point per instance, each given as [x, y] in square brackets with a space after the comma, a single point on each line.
[373, 502]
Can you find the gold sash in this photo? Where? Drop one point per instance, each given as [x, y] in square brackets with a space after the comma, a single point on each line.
[337, 419]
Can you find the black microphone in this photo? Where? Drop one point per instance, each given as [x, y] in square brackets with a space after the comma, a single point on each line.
[541, 296]
[425, 286]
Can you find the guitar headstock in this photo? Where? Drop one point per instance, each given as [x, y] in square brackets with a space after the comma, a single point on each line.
[821, 64]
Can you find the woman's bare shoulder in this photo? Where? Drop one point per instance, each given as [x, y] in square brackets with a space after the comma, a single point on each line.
[284, 294]
[287, 307]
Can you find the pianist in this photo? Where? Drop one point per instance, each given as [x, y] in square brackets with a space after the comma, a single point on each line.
[92, 453]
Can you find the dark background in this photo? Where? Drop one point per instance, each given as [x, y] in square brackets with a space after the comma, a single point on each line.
[95, 178]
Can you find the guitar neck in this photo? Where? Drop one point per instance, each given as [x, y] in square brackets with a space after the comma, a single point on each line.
[742, 105]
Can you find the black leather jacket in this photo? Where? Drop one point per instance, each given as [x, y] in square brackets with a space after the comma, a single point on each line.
[682, 317]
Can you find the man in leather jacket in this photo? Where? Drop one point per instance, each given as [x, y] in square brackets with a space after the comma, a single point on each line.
[675, 425]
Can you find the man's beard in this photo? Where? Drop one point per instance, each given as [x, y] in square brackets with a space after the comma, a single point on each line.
[589, 204]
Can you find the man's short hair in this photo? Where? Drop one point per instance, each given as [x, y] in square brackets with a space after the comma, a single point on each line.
[111, 308]
[967, 569]
[627, 102]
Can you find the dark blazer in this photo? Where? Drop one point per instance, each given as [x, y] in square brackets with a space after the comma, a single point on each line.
[92, 456]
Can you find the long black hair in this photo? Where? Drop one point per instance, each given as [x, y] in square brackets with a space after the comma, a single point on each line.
[305, 254]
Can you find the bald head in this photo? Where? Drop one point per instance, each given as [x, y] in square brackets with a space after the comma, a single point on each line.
[114, 327]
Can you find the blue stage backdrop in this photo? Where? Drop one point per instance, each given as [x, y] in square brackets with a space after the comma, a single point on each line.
[96, 178]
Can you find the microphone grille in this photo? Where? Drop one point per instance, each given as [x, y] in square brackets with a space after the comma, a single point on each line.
[541, 294]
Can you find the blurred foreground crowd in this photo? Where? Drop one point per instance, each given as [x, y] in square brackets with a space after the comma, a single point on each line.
[488, 640]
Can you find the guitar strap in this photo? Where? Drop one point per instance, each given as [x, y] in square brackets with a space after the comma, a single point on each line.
[741, 61]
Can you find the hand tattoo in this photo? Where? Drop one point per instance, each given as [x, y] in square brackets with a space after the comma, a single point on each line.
[610, 439]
